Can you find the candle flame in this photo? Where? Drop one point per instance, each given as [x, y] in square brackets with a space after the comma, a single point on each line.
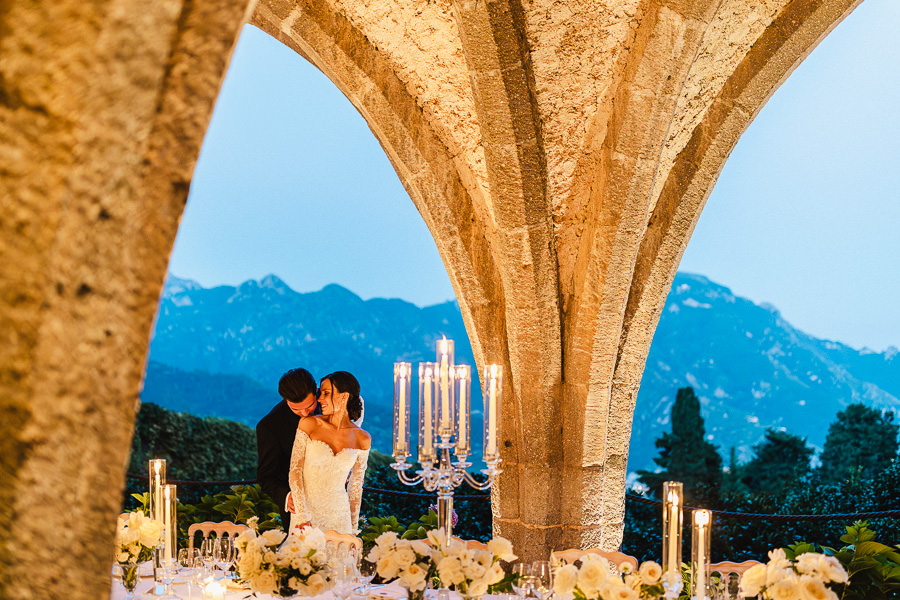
[444, 345]
[494, 370]
[673, 498]
[428, 372]
[168, 494]
[402, 371]
[156, 465]
[701, 518]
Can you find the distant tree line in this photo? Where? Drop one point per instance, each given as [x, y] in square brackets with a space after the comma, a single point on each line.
[859, 471]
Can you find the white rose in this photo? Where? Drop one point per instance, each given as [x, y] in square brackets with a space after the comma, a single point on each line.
[315, 584]
[778, 559]
[775, 574]
[421, 548]
[785, 589]
[478, 588]
[151, 531]
[450, 571]
[305, 568]
[833, 570]
[501, 548]
[621, 592]
[811, 588]
[413, 577]
[650, 572]
[565, 579]
[592, 575]
[404, 556]
[264, 582]
[386, 539]
[753, 581]
[808, 563]
[274, 537]
[494, 574]
[387, 567]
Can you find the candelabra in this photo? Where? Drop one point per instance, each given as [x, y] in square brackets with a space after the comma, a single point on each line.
[444, 425]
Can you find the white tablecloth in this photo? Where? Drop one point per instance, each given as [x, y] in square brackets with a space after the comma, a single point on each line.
[192, 591]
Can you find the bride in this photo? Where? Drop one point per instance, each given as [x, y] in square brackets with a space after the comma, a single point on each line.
[327, 448]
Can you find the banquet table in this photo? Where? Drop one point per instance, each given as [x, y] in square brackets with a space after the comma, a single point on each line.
[391, 591]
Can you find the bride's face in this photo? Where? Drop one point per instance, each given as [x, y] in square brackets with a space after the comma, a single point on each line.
[331, 399]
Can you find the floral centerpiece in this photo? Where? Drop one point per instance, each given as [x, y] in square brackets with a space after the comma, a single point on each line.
[471, 571]
[807, 576]
[414, 563]
[273, 563]
[594, 581]
[135, 540]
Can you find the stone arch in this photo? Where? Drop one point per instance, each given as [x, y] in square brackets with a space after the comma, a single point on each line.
[560, 158]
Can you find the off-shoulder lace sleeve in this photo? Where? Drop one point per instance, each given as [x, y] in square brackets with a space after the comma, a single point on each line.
[295, 475]
[354, 488]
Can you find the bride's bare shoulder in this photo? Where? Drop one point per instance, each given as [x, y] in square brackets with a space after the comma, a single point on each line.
[309, 424]
[363, 439]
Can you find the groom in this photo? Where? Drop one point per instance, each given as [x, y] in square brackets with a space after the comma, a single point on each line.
[275, 436]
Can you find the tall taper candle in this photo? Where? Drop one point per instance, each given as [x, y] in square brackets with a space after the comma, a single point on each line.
[402, 377]
[493, 377]
[463, 435]
[673, 510]
[700, 540]
[170, 526]
[157, 480]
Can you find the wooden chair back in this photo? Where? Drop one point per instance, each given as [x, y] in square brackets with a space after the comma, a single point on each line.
[221, 529]
[730, 575]
[574, 554]
[343, 542]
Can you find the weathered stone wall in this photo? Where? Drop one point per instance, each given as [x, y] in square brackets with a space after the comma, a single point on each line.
[103, 106]
[559, 152]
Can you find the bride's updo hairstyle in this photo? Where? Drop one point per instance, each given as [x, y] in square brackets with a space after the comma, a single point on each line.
[342, 381]
[296, 385]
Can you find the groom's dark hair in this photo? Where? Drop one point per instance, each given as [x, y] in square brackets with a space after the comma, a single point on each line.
[346, 382]
[296, 385]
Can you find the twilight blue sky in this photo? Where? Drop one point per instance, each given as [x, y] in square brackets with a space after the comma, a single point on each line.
[804, 216]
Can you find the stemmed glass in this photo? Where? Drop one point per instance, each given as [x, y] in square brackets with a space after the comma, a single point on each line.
[344, 573]
[542, 578]
[223, 553]
[191, 565]
[207, 555]
[522, 582]
[365, 573]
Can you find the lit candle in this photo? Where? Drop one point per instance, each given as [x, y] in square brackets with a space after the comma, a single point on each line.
[214, 591]
[428, 422]
[672, 519]
[169, 525]
[494, 374]
[462, 440]
[700, 551]
[402, 372]
[444, 376]
[157, 480]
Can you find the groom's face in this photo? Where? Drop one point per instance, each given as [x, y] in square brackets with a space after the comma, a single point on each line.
[304, 407]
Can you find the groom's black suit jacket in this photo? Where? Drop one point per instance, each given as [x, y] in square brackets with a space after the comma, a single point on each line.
[274, 441]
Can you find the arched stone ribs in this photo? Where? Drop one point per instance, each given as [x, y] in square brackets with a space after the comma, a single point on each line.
[495, 45]
[781, 47]
[423, 162]
[790, 38]
[658, 62]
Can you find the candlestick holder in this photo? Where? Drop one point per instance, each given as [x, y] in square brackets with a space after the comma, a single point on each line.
[444, 478]
[444, 425]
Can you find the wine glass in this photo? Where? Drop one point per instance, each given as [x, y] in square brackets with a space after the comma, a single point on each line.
[191, 563]
[521, 583]
[344, 573]
[223, 552]
[366, 572]
[207, 554]
[542, 578]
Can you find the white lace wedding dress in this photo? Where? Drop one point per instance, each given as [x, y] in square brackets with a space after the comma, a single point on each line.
[319, 487]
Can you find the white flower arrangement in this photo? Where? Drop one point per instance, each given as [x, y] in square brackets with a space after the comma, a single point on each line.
[593, 580]
[137, 537]
[805, 578]
[273, 563]
[413, 562]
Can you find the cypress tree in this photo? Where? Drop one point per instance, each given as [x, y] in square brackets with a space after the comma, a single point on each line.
[780, 461]
[684, 453]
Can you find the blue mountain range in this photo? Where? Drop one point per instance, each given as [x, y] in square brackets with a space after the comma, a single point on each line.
[220, 351]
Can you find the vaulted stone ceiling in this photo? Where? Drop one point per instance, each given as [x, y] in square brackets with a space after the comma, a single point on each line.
[559, 151]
